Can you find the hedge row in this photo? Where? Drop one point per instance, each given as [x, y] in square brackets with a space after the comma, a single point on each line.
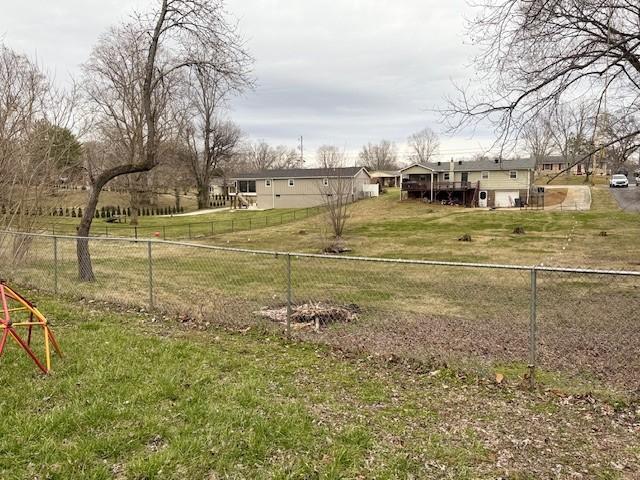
[107, 212]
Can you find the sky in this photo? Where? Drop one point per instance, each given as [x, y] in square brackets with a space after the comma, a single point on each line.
[344, 72]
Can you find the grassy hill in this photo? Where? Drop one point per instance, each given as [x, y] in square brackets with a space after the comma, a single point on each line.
[386, 227]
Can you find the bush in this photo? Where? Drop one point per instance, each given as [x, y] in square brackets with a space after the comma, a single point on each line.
[465, 238]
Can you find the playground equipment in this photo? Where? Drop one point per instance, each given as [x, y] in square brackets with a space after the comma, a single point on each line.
[25, 315]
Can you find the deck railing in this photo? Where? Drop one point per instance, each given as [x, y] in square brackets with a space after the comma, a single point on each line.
[416, 186]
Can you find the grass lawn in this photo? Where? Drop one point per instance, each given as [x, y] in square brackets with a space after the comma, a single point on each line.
[78, 198]
[386, 227]
[143, 399]
[182, 227]
[571, 180]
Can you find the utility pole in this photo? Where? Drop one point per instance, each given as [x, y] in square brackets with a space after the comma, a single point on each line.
[301, 149]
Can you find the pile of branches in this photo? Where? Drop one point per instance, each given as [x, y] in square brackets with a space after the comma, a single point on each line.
[312, 314]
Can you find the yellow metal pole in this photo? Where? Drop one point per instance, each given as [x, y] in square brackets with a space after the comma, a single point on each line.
[46, 348]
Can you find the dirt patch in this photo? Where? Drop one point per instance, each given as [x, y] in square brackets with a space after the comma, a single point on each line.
[554, 196]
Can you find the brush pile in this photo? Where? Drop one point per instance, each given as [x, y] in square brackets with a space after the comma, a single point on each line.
[312, 315]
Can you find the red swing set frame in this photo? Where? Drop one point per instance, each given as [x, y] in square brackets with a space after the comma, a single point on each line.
[12, 302]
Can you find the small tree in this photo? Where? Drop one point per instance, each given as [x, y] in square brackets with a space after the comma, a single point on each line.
[337, 194]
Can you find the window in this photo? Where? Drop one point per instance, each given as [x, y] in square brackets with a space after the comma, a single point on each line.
[464, 176]
[325, 182]
[547, 166]
[485, 175]
[513, 174]
[267, 183]
[246, 186]
[447, 176]
[292, 182]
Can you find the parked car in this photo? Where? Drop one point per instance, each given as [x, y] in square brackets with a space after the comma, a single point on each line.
[619, 180]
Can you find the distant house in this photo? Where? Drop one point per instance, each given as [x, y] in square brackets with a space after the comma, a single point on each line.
[298, 187]
[477, 183]
[219, 186]
[386, 178]
[554, 164]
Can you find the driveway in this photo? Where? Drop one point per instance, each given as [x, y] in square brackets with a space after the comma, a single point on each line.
[628, 198]
[578, 197]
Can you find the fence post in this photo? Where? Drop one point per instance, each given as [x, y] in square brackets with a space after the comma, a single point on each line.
[189, 231]
[288, 294]
[212, 229]
[164, 232]
[533, 328]
[135, 232]
[249, 224]
[150, 260]
[106, 230]
[231, 226]
[55, 265]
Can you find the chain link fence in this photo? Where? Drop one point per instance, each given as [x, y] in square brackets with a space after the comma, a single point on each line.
[572, 325]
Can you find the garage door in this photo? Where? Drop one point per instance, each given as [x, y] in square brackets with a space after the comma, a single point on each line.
[506, 199]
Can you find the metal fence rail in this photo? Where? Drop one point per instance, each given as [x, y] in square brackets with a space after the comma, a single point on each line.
[578, 324]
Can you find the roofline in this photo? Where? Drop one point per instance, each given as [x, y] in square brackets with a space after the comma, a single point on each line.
[417, 165]
[304, 177]
[502, 167]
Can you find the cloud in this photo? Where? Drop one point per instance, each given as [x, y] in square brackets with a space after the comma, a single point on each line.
[345, 72]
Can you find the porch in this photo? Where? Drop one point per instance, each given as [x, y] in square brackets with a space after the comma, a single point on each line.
[447, 192]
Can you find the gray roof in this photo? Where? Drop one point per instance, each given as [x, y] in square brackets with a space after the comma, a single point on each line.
[480, 165]
[384, 174]
[301, 173]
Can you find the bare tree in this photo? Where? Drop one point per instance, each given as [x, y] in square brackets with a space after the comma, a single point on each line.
[179, 34]
[262, 156]
[37, 145]
[537, 55]
[380, 156]
[423, 145]
[330, 156]
[221, 138]
[212, 140]
[336, 190]
[619, 125]
[538, 137]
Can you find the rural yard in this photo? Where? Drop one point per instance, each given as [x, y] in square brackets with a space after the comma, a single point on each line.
[320, 240]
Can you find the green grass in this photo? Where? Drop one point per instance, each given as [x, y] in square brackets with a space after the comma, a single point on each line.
[386, 227]
[78, 198]
[572, 180]
[182, 227]
[140, 399]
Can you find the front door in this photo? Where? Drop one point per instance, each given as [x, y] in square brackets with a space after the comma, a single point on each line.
[482, 202]
[464, 176]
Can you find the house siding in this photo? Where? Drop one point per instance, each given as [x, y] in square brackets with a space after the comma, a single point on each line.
[306, 192]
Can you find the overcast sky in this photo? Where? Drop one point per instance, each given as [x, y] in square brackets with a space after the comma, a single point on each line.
[341, 72]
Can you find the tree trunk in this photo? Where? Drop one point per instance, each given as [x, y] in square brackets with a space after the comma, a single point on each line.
[176, 193]
[85, 269]
[134, 198]
[203, 196]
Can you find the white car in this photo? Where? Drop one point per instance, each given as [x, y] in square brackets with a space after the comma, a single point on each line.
[619, 180]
